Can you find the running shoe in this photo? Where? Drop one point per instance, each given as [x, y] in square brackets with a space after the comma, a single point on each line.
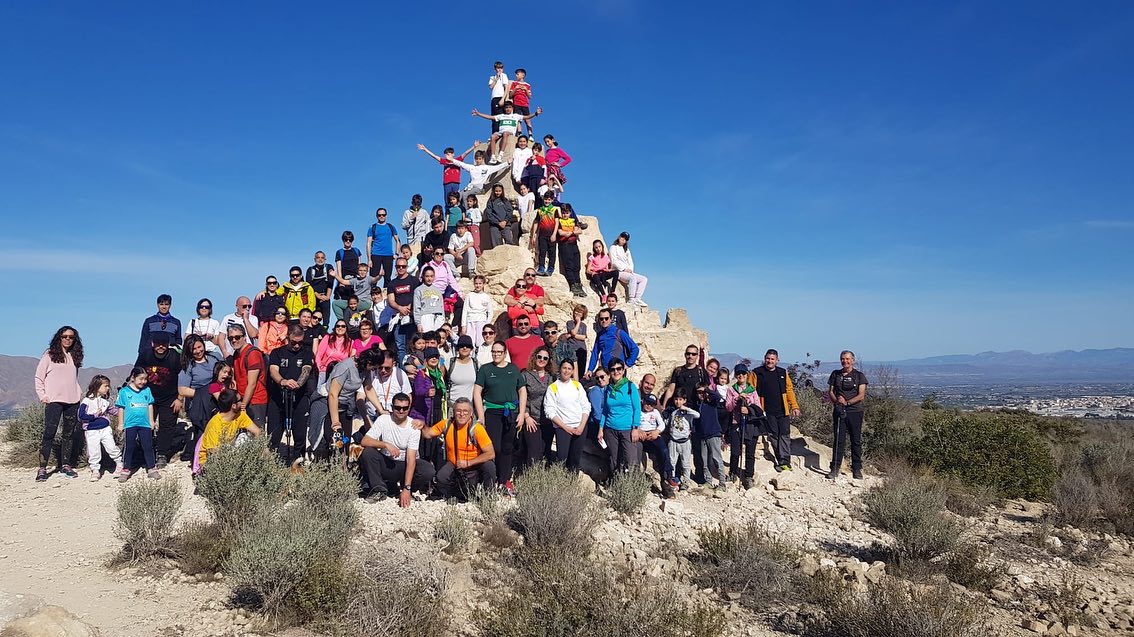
[68, 471]
[154, 474]
[162, 462]
[41, 475]
[123, 475]
[509, 490]
[95, 476]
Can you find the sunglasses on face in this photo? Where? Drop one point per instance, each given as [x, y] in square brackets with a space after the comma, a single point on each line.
[67, 337]
[235, 338]
[529, 275]
[400, 407]
[617, 369]
[604, 318]
[296, 275]
[521, 287]
[273, 282]
[690, 353]
[542, 358]
[487, 333]
[523, 324]
[340, 327]
[552, 332]
[497, 352]
[204, 307]
[603, 377]
[246, 306]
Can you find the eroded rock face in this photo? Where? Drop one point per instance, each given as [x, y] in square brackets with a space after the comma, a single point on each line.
[662, 343]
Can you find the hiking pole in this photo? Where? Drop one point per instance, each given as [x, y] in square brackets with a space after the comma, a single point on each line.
[837, 459]
[289, 407]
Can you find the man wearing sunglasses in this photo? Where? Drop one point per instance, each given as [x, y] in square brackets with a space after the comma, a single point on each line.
[611, 343]
[242, 317]
[686, 377]
[250, 375]
[389, 459]
[400, 299]
[290, 368]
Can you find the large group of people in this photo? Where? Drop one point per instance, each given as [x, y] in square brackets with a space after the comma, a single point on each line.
[376, 358]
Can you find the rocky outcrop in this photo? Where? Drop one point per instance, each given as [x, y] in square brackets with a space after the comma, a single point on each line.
[49, 621]
[662, 342]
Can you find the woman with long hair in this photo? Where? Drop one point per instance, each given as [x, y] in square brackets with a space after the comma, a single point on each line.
[57, 386]
[535, 429]
[600, 271]
[273, 334]
[332, 349]
[197, 366]
[624, 262]
[205, 326]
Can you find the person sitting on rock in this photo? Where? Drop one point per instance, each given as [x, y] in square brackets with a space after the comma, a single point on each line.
[600, 272]
[654, 445]
[498, 214]
[523, 301]
[479, 174]
[469, 451]
[389, 459]
[624, 263]
[510, 123]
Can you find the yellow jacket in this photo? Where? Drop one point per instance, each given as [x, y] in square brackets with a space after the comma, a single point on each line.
[298, 296]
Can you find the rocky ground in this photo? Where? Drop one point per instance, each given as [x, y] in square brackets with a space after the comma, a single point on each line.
[57, 543]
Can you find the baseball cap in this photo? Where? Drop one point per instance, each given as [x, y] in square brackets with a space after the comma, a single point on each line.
[464, 341]
[162, 338]
[650, 399]
[740, 368]
[431, 352]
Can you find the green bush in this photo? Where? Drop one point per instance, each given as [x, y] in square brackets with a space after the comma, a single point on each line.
[910, 507]
[1001, 451]
[627, 492]
[574, 595]
[553, 512]
[894, 608]
[241, 484]
[328, 490]
[973, 566]
[24, 433]
[147, 513]
[1099, 487]
[746, 560]
[395, 595]
[454, 530]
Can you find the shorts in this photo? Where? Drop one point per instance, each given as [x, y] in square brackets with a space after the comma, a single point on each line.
[522, 110]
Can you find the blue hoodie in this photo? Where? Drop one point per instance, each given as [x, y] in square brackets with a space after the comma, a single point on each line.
[604, 348]
[622, 409]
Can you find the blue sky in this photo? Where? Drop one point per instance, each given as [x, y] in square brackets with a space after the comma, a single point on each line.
[904, 179]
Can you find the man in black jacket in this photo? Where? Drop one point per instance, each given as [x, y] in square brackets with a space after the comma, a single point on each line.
[774, 386]
[163, 365]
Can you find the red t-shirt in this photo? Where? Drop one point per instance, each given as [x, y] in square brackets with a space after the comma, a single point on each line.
[522, 93]
[450, 173]
[247, 359]
[520, 349]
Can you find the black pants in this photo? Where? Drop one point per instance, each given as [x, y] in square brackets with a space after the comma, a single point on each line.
[532, 180]
[170, 436]
[569, 262]
[739, 439]
[545, 252]
[295, 405]
[623, 452]
[502, 432]
[568, 448]
[387, 475]
[852, 423]
[384, 265]
[604, 282]
[459, 483]
[495, 108]
[324, 308]
[779, 432]
[532, 446]
[71, 438]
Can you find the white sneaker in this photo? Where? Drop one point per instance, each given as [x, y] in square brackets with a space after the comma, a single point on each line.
[95, 476]
[639, 302]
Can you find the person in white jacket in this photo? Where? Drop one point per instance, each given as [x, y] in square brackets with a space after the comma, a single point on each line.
[623, 261]
[566, 405]
[479, 311]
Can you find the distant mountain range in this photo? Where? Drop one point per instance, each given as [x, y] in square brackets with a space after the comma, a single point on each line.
[1115, 365]
[17, 381]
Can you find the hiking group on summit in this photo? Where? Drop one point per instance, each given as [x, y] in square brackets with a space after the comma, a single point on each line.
[380, 360]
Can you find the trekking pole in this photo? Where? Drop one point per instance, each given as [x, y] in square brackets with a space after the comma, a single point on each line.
[837, 459]
[289, 407]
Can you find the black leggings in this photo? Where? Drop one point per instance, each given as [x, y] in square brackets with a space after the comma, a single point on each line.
[604, 282]
[502, 432]
[569, 262]
[72, 435]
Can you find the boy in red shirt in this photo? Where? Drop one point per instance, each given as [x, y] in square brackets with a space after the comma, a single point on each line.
[520, 94]
[450, 172]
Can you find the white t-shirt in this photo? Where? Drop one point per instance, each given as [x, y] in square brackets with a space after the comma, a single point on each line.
[462, 378]
[403, 436]
[232, 319]
[520, 158]
[509, 122]
[475, 215]
[499, 84]
[526, 203]
[206, 329]
[458, 243]
[652, 421]
[478, 307]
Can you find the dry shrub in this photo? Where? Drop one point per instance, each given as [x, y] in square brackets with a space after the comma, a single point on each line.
[487, 501]
[1064, 599]
[200, 549]
[894, 608]
[569, 597]
[24, 433]
[453, 529]
[242, 484]
[911, 508]
[970, 501]
[746, 560]
[147, 513]
[394, 595]
[627, 492]
[1098, 488]
[553, 512]
[497, 533]
[973, 566]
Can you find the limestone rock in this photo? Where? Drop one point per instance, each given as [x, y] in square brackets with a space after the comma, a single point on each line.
[673, 507]
[662, 343]
[49, 621]
[15, 605]
[784, 482]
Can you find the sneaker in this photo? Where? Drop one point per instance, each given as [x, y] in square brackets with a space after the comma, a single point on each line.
[41, 475]
[746, 483]
[857, 475]
[539, 271]
[683, 487]
[779, 468]
[162, 462]
[833, 475]
[582, 225]
[95, 476]
[509, 490]
[375, 495]
[154, 474]
[123, 475]
[68, 471]
[673, 483]
[787, 467]
[722, 486]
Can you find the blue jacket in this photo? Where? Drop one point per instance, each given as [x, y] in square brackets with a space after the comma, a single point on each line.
[622, 409]
[708, 425]
[604, 348]
[595, 395]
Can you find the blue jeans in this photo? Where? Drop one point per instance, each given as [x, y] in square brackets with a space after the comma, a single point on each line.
[448, 188]
[658, 450]
[402, 333]
[135, 437]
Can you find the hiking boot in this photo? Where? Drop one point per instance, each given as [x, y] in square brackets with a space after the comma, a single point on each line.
[154, 474]
[746, 483]
[162, 462]
[68, 471]
[41, 475]
[857, 474]
[833, 474]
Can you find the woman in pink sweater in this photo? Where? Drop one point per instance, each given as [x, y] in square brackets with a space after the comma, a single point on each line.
[57, 386]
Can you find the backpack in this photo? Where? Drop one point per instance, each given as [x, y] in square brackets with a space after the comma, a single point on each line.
[449, 369]
[471, 438]
[618, 350]
[374, 230]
